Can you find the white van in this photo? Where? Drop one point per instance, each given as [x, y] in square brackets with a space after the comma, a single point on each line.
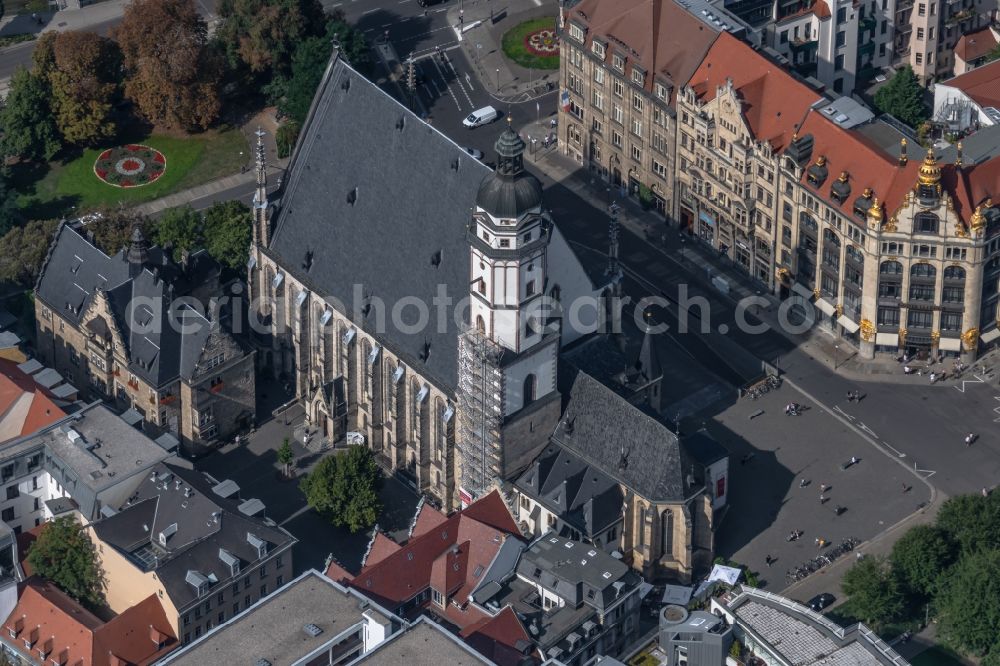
[483, 116]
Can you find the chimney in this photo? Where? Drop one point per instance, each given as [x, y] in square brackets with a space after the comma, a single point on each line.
[902, 152]
[185, 257]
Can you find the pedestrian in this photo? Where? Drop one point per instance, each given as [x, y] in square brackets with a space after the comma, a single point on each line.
[803, 483]
[986, 493]
[906, 488]
[850, 396]
[859, 555]
[817, 541]
[768, 560]
[854, 460]
[857, 396]
[823, 487]
[822, 498]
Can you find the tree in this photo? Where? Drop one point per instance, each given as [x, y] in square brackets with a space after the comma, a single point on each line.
[285, 456]
[180, 228]
[353, 44]
[112, 228]
[29, 127]
[10, 216]
[263, 34]
[65, 555]
[82, 69]
[920, 558]
[344, 487]
[286, 136]
[969, 603]
[990, 57]
[228, 232]
[23, 250]
[972, 521]
[873, 591]
[171, 73]
[902, 97]
[308, 64]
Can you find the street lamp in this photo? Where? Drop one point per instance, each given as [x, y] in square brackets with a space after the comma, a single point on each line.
[498, 79]
[836, 357]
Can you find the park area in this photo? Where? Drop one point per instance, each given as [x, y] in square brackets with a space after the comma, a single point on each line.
[150, 168]
[533, 44]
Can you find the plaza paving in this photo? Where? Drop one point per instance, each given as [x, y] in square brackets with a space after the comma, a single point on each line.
[766, 502]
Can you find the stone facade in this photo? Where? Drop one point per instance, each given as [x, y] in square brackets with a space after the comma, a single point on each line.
[90, 347]
[769, 181]
[927, 31]
[669, 540]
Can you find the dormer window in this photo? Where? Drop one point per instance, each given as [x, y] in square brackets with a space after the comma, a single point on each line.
[817, 173]
[598, 49]
[576, 32]
[259, 544]
[638, 76]
[841, 188]
[619, 62]
[661, 91]
[863, 203]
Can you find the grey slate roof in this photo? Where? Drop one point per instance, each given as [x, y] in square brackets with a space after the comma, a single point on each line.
[205, 524]
[75, 269]
[572, 568]
[411, 206]
[623, 441]
[580, 494]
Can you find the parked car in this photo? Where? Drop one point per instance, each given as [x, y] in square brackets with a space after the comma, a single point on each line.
[478, 154]
[479, 117]
[428, 3]
[821, 601]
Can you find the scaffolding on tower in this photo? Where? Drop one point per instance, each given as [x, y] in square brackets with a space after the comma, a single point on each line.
[480, 399]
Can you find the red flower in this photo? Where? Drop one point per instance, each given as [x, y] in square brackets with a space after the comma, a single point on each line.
[102, 174]
[125, 183]
[132, 147]
[158, 158]
[153, 176]
[105, 155]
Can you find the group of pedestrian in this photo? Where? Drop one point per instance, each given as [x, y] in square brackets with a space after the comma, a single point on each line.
[970, 438]
[854, 396]
[792, 409]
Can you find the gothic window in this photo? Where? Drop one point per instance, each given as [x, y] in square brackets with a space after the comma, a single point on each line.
[529, 389]
[667, 533]
[641, 527]
[480, 324]
[442, 430]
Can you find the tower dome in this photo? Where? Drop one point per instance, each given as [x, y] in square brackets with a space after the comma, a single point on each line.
[509, 191]
[930, 172]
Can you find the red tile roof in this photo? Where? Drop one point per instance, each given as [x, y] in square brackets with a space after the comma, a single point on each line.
[502, 639]
[25, 407]
[658, 35]
[819, 8]
[74, 635]
[338, 573]
[981, 84]
[382, 547]
[774, 102]
[477, 532]
[427, 518]
[975, 45]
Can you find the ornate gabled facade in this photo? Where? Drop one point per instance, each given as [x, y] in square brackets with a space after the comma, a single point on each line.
[120, 327]
[404, 286]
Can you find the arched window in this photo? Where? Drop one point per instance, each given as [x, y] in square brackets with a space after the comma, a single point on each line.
[830, 237]
[923, 271]
[641, 527]
[891, 268]
[808, 221]
[480, 324]
[556, 292]
[529, 390]
[667, 533]
[954, 273]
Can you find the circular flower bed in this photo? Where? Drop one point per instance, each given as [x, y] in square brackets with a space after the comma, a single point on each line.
[542, 42]
[133, 165]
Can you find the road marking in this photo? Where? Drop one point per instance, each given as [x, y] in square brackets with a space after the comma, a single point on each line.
[468, 81]
[369, 11]
[996, 410]
[928, 472]
[978, 380]
[446, 85]
[837, 409]
[538, 3]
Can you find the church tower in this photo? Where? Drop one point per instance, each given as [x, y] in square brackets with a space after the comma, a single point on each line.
[508, 358]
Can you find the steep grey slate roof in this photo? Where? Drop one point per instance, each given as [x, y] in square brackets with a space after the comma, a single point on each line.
[579, 493]
[76, 269]
[412, 190]
[626, 443]
[194, 544]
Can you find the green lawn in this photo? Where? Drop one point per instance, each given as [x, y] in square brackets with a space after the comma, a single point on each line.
[937, 656]
[515, 49]
[190, 161]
